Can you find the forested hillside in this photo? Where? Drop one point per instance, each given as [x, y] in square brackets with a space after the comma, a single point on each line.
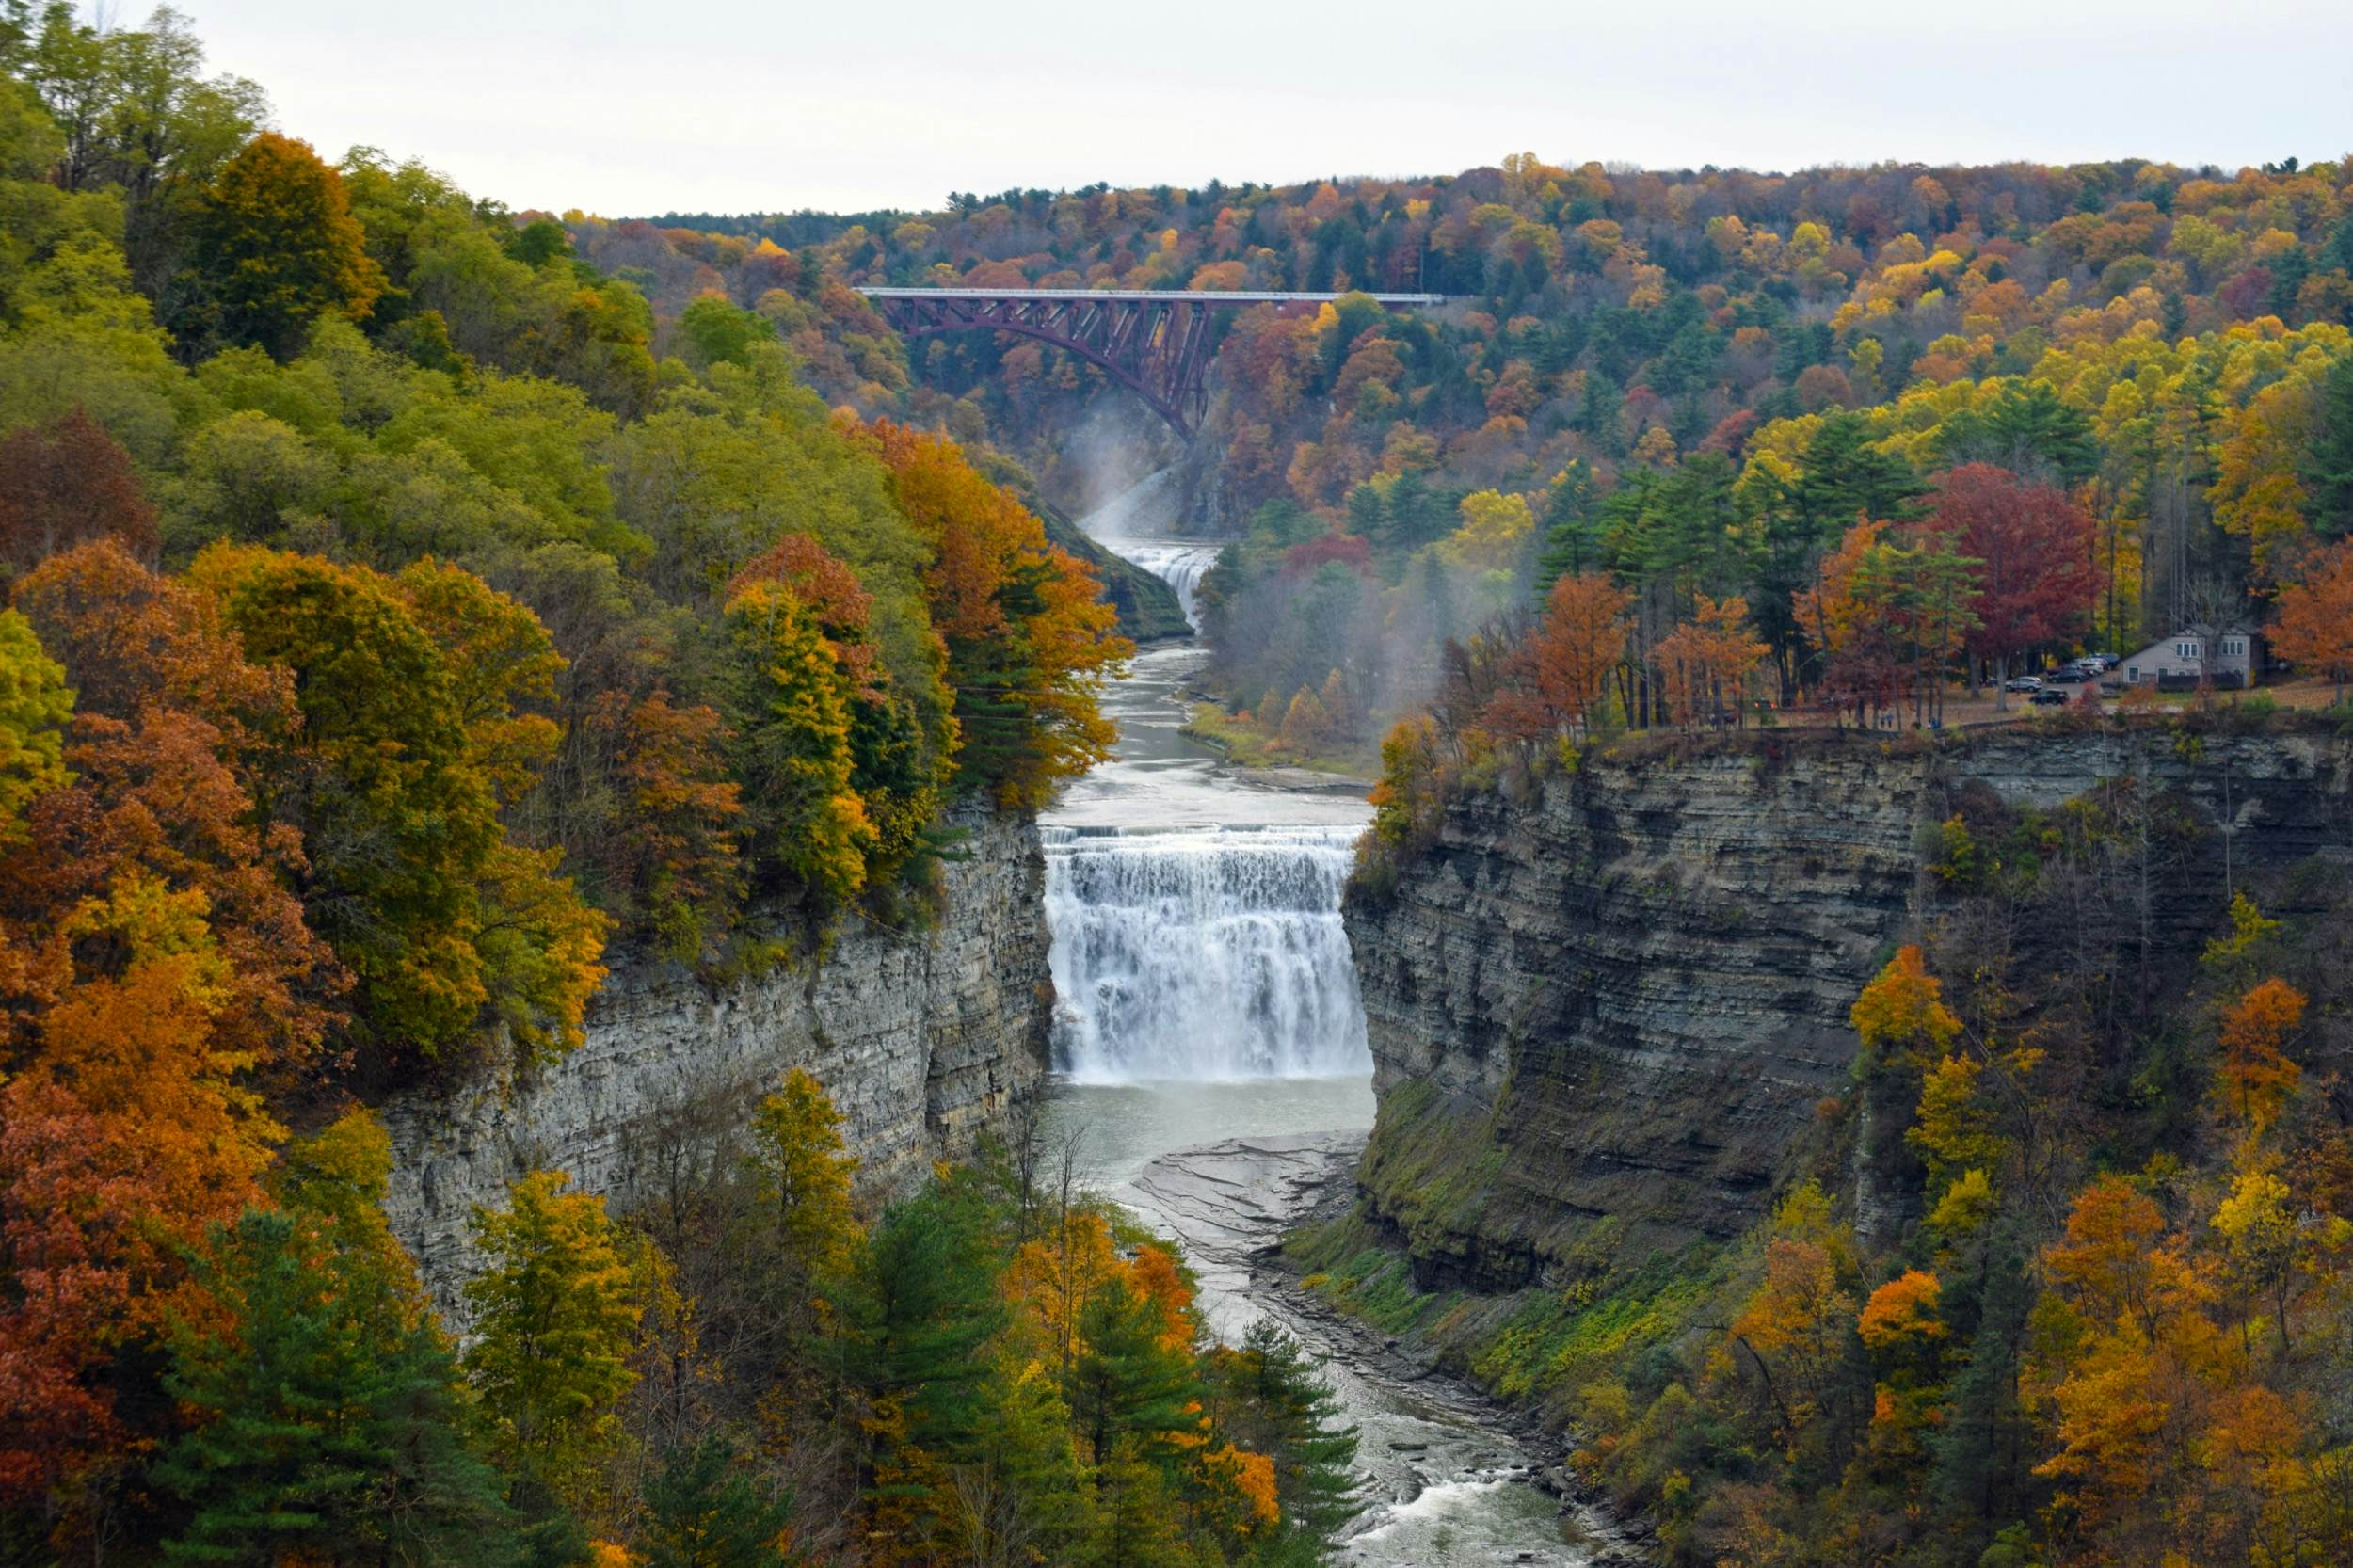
[401, 626]
[1694, 383]
[2060, 1271]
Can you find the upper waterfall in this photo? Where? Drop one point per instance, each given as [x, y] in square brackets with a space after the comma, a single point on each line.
[1136, 525]
[1179, 565]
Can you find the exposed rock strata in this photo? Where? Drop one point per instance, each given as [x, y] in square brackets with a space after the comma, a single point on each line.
[923, 1041]
[1626, 998]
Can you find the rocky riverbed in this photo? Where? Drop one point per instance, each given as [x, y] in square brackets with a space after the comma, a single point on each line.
[1447, 1476]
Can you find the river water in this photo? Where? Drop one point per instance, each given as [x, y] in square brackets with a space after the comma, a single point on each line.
[1206, 997]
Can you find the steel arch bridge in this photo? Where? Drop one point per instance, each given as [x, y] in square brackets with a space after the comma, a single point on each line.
[1154, 342]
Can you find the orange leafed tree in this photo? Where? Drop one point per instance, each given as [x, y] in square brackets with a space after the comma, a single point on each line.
[2257, 1075]
[1581, 641]
[156, 977]
[1829, 611]
[1902, 1311]
[678, 863]
[1560, 675]
[1903, 1007]
[1028, 634]
[2315, 627]
[130, 637]
[1708, 661]
[830, 592]
[2133, 1372]
[136, 972]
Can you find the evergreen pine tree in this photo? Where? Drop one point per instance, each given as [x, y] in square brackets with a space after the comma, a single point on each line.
[1130, 1380]
[1572, 533]
[931, 1305]
[1284, 1409]
[1981, 1451]
[2327, 466]
[701, 1514]
[1136, 1519]
[1844, 477]
[331, 1423]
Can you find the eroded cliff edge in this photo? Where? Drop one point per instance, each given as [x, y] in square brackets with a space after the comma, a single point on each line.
[1606, 1015]
[924, 1040]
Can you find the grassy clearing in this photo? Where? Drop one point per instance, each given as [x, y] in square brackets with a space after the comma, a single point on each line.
[1248, 747]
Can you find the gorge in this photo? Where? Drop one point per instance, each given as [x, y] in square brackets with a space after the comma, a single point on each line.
[1541, 863]
[1205, 996]
[1603, 1015]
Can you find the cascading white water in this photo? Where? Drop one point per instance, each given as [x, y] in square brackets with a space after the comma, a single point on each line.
[1201, 952]
[1186, 946]
[1180, 565]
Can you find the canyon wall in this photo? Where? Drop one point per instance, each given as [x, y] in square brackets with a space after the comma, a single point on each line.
[923, 1041]
[1624, 1000]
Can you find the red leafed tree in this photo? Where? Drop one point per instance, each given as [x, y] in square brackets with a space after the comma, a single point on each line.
[1303, 560]
[64, 482]
[2039, 574]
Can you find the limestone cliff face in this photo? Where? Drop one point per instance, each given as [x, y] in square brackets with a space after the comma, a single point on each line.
[1627, 997]
[921, 1040]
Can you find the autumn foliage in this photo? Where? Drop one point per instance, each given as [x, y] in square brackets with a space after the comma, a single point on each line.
[64, 484]
[1026, 633]
[2100, 1360]
[2315, 626]
[379, 659]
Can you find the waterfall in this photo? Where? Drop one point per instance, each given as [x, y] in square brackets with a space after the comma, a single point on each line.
[1135, 524]
[1180, 565]
[1186, 945]
[1204, 953]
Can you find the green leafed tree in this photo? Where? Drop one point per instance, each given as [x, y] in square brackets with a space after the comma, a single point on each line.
[792, 710]
[34, 707]
[405, 749]
[557, 1309]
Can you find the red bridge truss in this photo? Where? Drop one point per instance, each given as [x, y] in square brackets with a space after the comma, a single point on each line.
[1157, 342]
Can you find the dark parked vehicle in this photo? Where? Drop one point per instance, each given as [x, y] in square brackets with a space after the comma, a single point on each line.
[2050, 696]
[2069, 676]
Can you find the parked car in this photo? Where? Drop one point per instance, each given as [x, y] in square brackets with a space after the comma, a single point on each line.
[2070, 676]
[2050, 696]
[2022, 683]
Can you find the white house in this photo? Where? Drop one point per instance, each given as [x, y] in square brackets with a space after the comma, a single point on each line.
[2185, 656]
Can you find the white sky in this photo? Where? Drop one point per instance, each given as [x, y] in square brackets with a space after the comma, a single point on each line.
[749, 105]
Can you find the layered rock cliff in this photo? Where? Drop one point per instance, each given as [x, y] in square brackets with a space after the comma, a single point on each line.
[923, 1041]
[1624, 1000]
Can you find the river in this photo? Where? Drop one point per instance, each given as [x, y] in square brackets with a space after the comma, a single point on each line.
[1210, 1050]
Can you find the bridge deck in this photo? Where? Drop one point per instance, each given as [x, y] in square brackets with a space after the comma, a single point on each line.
[1145, 296]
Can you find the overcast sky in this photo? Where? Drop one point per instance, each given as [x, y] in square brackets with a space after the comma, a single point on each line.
[744, 105]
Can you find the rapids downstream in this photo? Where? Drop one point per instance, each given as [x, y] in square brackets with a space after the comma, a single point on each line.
[1210, 1050]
